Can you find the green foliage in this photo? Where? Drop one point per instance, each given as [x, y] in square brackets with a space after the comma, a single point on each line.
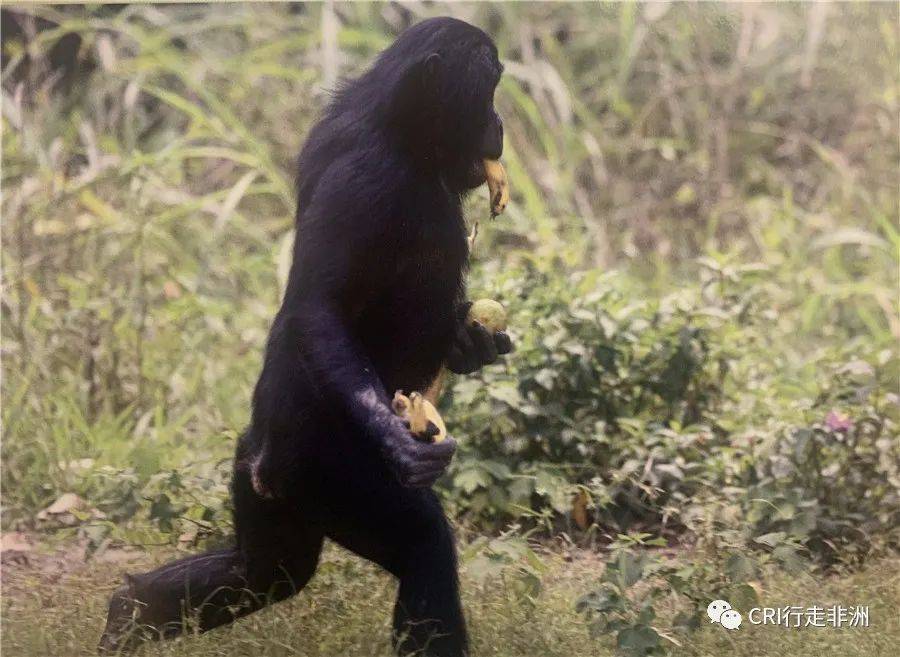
[664, 413]
[507, 559]
[699, 263]
[595, 369]
[636, 585]
[344, 612]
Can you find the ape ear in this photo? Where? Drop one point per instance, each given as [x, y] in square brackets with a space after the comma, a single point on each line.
[431, 65]
[430, 70]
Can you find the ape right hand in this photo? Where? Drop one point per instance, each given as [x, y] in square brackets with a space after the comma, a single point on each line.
[416, 464]
[474, 345]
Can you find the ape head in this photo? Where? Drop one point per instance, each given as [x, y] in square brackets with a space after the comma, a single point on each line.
[442, 74]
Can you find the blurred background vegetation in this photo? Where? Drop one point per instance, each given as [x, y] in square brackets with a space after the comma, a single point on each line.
[700, 264]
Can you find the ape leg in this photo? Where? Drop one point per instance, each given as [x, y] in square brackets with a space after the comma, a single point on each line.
[405, 532]
[157, 604]
[275, 557]
[428, 618]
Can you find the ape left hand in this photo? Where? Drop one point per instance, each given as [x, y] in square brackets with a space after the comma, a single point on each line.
[474, 346]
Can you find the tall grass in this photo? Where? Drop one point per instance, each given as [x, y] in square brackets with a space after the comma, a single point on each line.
[148, 188]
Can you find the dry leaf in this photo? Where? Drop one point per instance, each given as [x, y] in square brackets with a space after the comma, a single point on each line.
[580, 509]
[171, 290]
[15, 542]
[67, 502]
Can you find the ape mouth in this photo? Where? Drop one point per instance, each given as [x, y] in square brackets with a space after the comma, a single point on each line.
[475, 175]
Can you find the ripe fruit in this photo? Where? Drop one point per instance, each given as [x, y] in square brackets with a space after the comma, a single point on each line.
[489, 313]
[425, 423]
[498, 186]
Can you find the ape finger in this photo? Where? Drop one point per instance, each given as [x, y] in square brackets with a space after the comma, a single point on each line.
[424, 481]
[464, 339]
[460, 362]
[442, 451]
[462, 310]
[425, 473]
[503, 342]
[431, 430]
[484, 343]
[430, 468]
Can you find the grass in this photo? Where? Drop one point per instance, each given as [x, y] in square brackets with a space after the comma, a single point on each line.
[56, 609]
[147, 224]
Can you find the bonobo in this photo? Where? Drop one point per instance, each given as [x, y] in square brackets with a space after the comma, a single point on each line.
[375, 303]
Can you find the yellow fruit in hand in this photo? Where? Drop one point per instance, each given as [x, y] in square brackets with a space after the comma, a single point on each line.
[498, 186]
[425, 423]
[489, 313]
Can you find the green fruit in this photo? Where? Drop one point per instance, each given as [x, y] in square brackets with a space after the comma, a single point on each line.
[489, 314]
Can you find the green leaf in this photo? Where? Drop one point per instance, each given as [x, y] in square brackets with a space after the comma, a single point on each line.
[789, 559]
[772, 539]
[638, 640]
[740, 568]
[471, 479]
[507, 393]
[626, 569]
[741, 596]
[846, 236]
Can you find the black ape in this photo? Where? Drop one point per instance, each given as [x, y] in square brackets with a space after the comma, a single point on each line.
[372, 306]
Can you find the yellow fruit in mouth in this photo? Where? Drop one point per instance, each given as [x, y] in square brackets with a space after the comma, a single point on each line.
[489, 313]
[498, 186]
[425, 423]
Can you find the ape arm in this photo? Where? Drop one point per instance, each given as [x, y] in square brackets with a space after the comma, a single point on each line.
[334, 361]
[336, 273]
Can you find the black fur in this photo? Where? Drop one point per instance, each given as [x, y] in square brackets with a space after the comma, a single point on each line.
[374, 303]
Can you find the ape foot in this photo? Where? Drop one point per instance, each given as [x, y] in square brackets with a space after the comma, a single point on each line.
[122, 634]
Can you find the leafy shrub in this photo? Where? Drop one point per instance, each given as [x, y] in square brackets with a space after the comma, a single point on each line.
[595, 371]
[646, 414]
[637, 585]
[834, 484]
[149, 216]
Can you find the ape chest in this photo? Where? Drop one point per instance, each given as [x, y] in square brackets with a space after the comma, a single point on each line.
[424, 284]
[433, 260]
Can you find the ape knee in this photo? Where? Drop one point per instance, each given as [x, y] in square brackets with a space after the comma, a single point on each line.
[430, 544]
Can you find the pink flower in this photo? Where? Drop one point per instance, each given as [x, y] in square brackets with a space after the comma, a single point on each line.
[837, 421]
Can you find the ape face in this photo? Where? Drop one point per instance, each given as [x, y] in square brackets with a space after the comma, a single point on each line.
[443, 106]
